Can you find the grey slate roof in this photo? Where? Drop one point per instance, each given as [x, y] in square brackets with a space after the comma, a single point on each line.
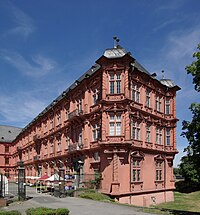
[8, 133]
[111, 53]
[167, 82]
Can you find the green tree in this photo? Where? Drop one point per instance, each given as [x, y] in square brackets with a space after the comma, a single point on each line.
[190, 165]
[194, 69]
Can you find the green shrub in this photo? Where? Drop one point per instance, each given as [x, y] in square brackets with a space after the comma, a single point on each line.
[187, 186]
[95, 196]
[70, 193]
[10, 213]
[62, 211]
[40, 211]
[47, 211]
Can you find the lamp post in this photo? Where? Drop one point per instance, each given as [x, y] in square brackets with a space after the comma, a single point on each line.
[80, 171]
[61, 180]
[21, 182]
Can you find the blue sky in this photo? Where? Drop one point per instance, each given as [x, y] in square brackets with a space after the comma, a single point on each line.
[46, 45]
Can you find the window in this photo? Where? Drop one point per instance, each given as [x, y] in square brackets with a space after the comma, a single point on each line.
[7, 173]
[167, 106]
[45, 126]
[115, 83]
[135, 130]
[59, 147]
[148, 98]
[66, 114]
[158, 103]
[148, 133]
[58, 119]
[6, 161]
[51, 123]
[159, 170]
[135, 93]
[45, 149]
[167, 137]
[136, 170]
[96, 156]
[6, 149]
[159, 136]
[51, 148]
[79, 105]
[67, 141]
[115, 124]
[95, 96]
[96, 133]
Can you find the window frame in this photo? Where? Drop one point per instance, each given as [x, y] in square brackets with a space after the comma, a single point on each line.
[115, 83]
[135, 90]
[135, 130]
[115, 121]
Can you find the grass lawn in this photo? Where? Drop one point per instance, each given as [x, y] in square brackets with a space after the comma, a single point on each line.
[184, 202]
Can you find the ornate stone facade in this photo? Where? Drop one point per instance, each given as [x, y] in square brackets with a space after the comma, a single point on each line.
[117, 119]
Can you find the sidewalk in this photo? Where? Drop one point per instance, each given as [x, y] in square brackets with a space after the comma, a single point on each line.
[76, 206]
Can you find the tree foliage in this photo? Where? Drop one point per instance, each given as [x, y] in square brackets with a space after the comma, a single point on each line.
[190, 164]
[194, 69]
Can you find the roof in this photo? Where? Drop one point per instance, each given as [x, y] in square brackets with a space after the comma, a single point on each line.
[167, 82]
[111, 53]
[8, 133]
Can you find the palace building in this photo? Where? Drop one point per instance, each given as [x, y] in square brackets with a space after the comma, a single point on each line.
[117, 119]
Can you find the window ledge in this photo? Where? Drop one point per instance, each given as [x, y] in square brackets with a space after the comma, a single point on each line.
[136, 182]
[159, 181]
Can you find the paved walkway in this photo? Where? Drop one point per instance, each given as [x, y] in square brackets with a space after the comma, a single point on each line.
[76, 206]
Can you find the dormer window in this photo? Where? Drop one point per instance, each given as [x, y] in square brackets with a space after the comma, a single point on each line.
[95, 96]
[148, 97]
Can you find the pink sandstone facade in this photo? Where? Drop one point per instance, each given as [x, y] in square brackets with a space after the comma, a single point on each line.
[117, 119]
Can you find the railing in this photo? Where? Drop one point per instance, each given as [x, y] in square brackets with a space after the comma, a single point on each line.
[36, 137]
[36, 157]
[75, 113]
[75, 146]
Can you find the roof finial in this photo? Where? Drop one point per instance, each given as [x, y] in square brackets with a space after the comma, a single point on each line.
[163, 74]
[116, 41]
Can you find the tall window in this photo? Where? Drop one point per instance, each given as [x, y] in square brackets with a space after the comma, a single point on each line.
[6, 149]
[6, 161]
[115, 83]
[79, 105]
[96, 156]
[51, 148]
[58, 119]
[159, 136]
[67, 141]
[96, 132]
[167, 135]
[45, 149]
[136, 170]
[115, 124]
[159, 170]
[158, 103]
[135, 93]
[59, 146]
[95, 96]
[135, 130]
[148, 133]
[148, 96]
[167, 106]
[51, 123]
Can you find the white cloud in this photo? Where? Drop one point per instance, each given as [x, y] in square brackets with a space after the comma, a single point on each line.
[24, 25]
[20, 107]
[36, 67]
[183, 44]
